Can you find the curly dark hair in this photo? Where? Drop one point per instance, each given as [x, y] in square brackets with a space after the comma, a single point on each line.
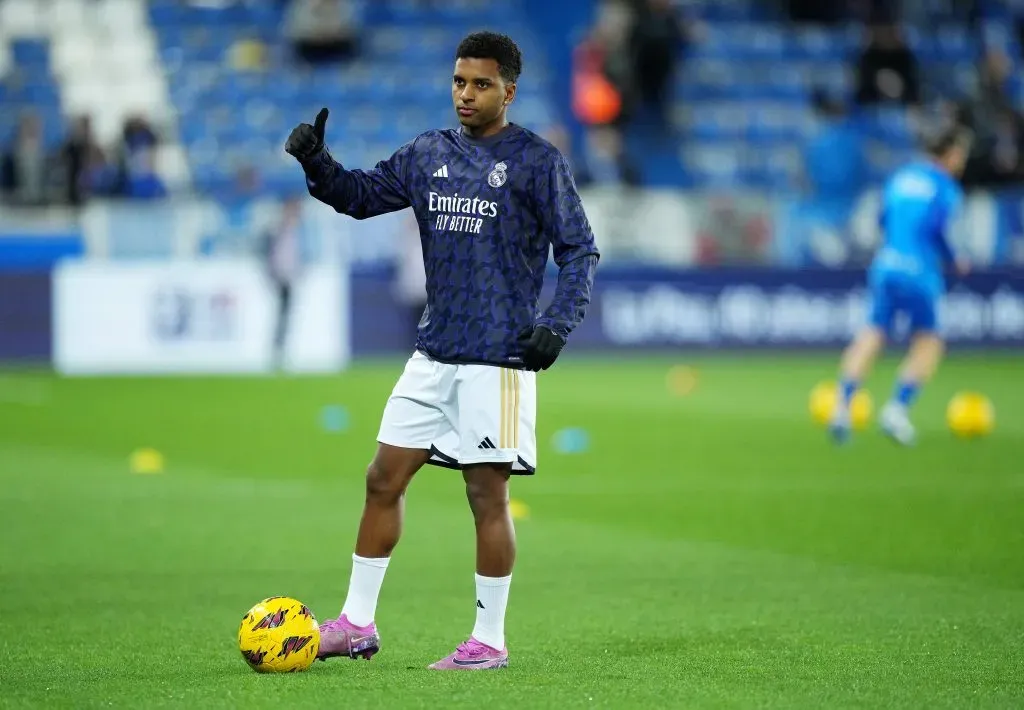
[491, 45]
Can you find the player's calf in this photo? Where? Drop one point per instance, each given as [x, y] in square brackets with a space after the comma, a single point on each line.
[857, 361]
[920, 364]
[387, 478]
[487, 494]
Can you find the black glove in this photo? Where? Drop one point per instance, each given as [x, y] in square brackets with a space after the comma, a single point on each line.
[541, 349]
[307, 141]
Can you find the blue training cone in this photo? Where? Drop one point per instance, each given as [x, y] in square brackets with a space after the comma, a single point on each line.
[334, 418]
[571, 441]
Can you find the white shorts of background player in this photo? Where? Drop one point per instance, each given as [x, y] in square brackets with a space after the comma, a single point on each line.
[464, 414]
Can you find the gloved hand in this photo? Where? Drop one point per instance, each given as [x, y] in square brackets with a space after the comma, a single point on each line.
[542, 349]
[307, 141]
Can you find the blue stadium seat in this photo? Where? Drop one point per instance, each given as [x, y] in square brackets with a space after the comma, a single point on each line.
[730, 10]
[30, 54]
[950, 44]
[816, 43]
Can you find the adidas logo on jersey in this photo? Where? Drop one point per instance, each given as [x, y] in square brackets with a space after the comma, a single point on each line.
[442, 172]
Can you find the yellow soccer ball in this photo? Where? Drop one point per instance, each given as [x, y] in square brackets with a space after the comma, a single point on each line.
[824, 398]
[970, 415]
[279, 635]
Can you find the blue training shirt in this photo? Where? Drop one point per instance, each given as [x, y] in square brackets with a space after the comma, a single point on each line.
[919, 201]
[489, 210]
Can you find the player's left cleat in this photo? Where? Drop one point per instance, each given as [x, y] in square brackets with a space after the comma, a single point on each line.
[340, 637]
[472, 656]
[896, 424]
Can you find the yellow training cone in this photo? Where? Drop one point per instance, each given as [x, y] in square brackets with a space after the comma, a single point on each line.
[681, 380]
[518, 509]
[147, 461]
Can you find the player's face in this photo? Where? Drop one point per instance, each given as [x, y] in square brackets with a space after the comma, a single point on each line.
[959, 161]
[480, 95]
[956, 159]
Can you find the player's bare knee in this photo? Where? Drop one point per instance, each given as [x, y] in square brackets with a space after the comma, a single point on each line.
[928, 340]
[487, 491]
[390, 472]
[385, 484]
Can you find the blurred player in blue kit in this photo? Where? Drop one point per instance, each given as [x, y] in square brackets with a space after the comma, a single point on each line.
[919, 203]
[491, 199]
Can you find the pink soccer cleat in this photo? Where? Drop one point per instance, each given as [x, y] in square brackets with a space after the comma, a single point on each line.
[472, 656]
[340, 637]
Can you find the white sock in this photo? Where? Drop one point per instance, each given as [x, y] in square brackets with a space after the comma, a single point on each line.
[364, 588]
[491, 600]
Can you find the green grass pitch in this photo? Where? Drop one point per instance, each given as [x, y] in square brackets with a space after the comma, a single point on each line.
[711, 550]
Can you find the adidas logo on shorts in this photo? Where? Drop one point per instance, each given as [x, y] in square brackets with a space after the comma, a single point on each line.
[486, 444]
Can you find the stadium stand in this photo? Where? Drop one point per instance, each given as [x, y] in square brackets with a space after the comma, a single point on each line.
[239, 87]
[224, 85]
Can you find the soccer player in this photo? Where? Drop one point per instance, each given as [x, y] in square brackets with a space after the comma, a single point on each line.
[906, 277]
[491, 198]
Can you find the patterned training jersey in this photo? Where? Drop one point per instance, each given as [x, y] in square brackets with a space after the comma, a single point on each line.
[918, 203]
[489, 211]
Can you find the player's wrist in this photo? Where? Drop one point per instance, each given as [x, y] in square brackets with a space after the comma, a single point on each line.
[316, 158]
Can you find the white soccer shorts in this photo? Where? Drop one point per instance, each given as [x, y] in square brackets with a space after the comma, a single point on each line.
[464, 414]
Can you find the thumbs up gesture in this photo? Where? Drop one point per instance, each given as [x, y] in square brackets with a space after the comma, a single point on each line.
[307, 141]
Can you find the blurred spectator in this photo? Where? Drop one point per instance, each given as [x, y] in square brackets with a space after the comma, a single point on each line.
[998, 129]
[1007, 161]
[82, 161]
[245, 213]
[815, 11]
[282, 252]
[24, 173]
[835, 159]
[656, 42]
[323, 30]
[136, 162]
[558, 135]
[601, 73]
[601, 82]
[887, 70]
[607, 161]
[137, 134]
[142, 180]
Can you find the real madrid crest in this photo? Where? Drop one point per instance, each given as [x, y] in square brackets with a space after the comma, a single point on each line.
[498, 176]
